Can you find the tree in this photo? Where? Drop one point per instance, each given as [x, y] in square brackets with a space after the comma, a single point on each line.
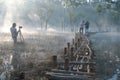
[72, 18]
[45, 12]
[99, 8]
[70, 5]
[62, 21]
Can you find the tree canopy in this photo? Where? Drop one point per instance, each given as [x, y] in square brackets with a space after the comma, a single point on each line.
[43, 12]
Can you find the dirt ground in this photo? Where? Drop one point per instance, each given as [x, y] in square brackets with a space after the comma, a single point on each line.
[36, 52]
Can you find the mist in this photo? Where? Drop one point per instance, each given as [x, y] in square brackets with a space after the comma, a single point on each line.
[47, 25]
[44, 14]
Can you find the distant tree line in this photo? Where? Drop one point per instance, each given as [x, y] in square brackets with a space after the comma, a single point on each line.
[64, 13]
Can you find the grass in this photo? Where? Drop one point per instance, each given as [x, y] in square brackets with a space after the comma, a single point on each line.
[34, 55]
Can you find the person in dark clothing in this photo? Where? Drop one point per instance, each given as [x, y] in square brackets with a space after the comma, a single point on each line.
[87, 27]
[82, 26]
[14, 32]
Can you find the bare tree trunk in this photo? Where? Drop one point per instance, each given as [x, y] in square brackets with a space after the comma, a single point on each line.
[46, 24]
[41, 24]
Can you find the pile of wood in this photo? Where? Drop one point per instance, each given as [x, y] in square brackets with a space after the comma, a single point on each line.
[79, 61]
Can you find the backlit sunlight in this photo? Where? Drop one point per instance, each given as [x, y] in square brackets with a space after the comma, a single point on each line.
[11, 9]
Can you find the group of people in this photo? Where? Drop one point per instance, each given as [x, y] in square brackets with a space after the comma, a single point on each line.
[84, 27]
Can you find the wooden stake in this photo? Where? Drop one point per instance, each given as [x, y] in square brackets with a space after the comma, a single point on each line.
[73, 41]
[68, 44]
[65, 51]
[66, 66]
[54, 61]
[71, 57]
[75, 46]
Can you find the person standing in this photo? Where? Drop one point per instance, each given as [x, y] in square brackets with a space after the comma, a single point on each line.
[14, 33]
[87, 27]
[82, 26]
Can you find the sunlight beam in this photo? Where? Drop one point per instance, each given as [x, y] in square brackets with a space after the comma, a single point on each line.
[11, 9]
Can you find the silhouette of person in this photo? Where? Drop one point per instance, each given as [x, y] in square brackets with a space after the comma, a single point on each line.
[87, 27]
[82, 26]
[14, 32]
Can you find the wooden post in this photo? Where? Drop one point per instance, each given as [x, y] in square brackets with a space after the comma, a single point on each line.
[65, 51]
[73, 41]
[66, 66]
[75, 46]
[68, 44]
[71, 57]
[78, 43]
[68, 50]
[54, 61]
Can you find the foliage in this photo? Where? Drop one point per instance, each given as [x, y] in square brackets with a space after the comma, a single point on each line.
[71, 3]
[115, 11]
[99, 8]
[39, 12]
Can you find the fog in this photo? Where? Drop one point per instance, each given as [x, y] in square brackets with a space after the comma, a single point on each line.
[44, 14]
[49, 24]
[106, 46]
